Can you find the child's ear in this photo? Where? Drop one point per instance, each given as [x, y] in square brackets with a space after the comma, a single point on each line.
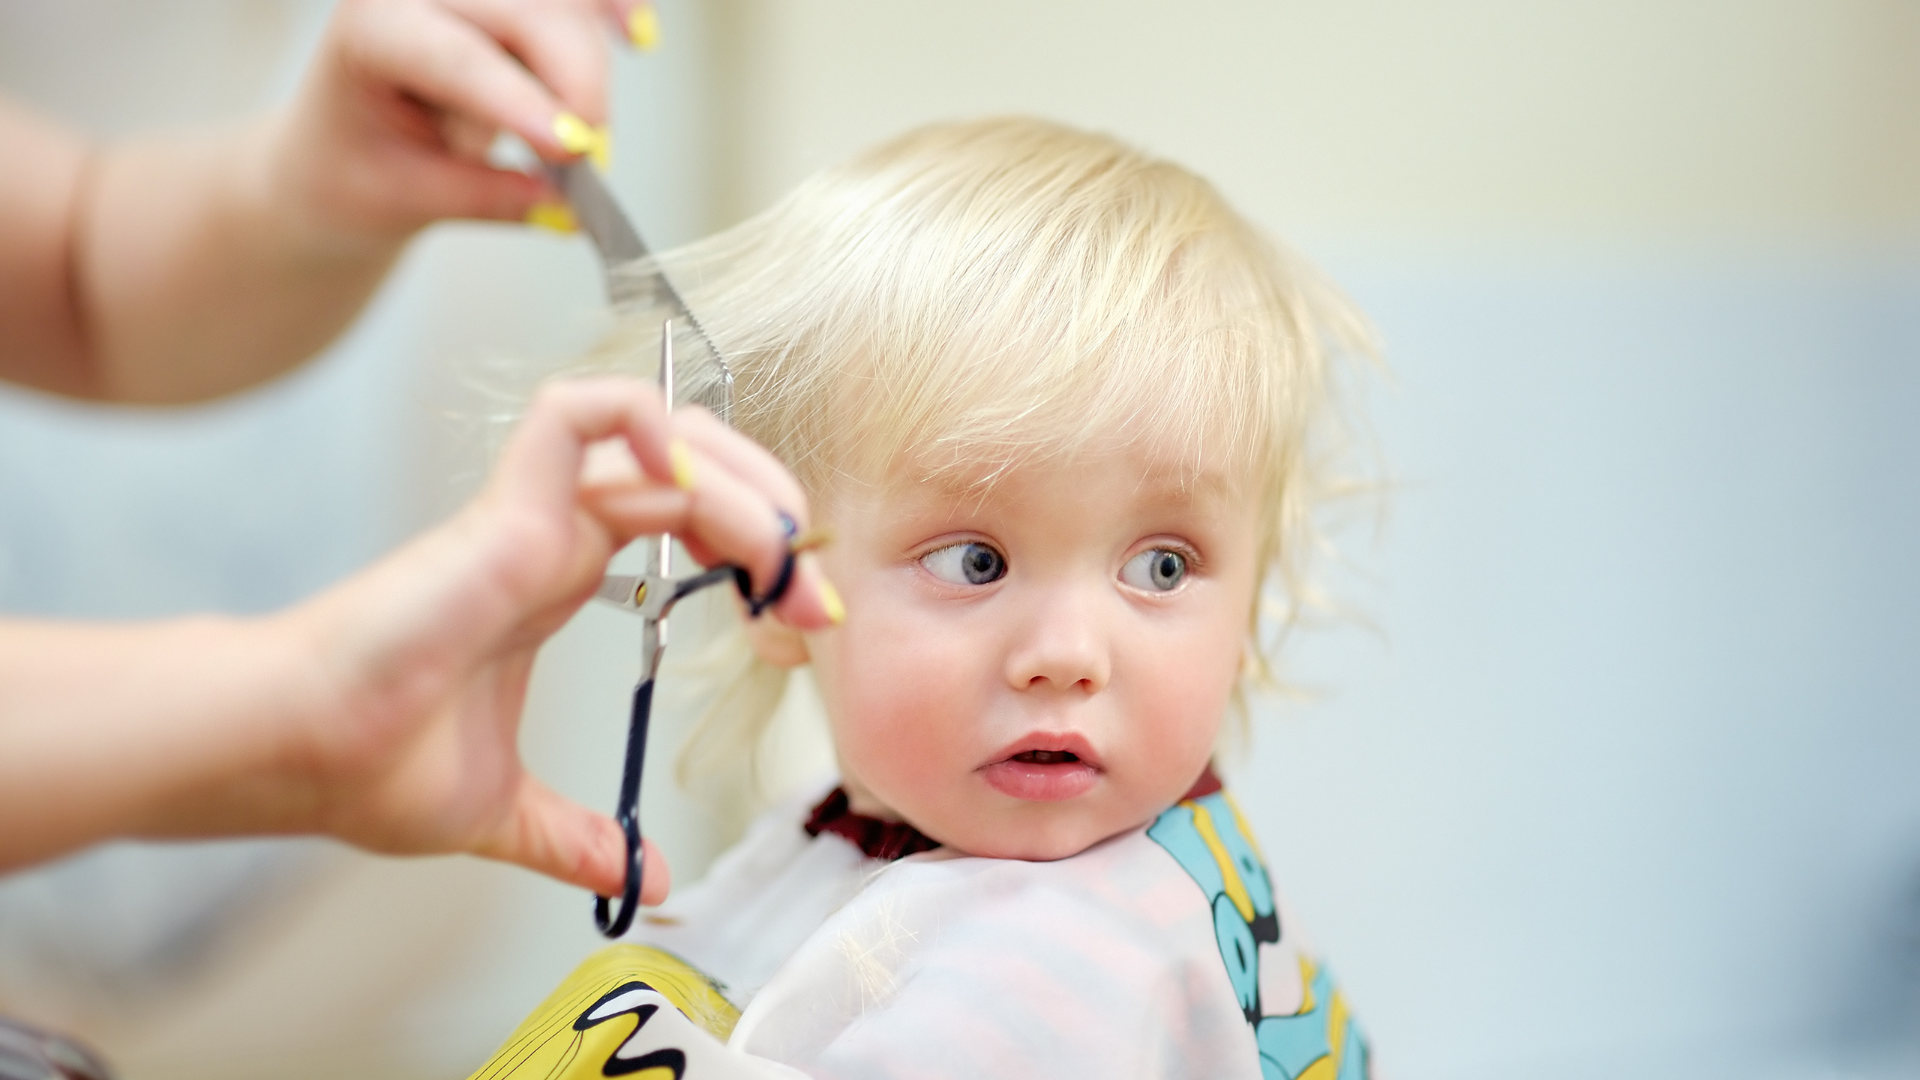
[776, 643]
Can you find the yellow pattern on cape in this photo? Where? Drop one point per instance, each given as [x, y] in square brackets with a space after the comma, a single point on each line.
[547, 1047]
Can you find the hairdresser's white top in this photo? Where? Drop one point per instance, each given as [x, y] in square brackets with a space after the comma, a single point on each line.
[1159, 952]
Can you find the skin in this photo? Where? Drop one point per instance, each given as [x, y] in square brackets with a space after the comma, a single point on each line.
[383, 712]
[166, 270]
[930, 683]
[386, 710]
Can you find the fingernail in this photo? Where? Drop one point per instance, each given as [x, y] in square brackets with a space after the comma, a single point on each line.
[830, 599]
[575, 135]
[682, 459]
[555, 216]
[643, 28]
[602, 153]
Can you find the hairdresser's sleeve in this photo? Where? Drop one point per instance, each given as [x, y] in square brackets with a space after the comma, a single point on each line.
[1105, 964]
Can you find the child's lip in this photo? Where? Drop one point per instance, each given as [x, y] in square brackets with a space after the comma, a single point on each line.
[1049, 742]
[1044, 780]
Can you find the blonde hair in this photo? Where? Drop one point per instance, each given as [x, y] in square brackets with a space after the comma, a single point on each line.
[973, 297]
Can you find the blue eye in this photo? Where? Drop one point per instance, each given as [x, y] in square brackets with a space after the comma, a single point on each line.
[1155, 570]
[965, 564]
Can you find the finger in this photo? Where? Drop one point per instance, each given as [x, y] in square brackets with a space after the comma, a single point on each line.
[719, 516]
[728, 520]
[464, 136]
[639, 23]
[633, 511]
[811, 600]
[562, 43]
[630, 511]
[811, 603]
[656, 877]
[542, 460]
[558, 837]
[436, 186]
[569, 414]
[450, 63]
[745, 458]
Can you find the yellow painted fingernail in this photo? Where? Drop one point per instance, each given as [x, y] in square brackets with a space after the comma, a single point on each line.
[830, 599]
[602, 153]
[576, 136]
[556, 216]
[643, 28]
[682, 459]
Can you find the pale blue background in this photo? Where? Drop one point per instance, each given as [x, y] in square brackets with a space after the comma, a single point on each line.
[1620, 781]
[1623, 782]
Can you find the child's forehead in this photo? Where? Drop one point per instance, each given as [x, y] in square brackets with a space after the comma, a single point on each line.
[1127, 476]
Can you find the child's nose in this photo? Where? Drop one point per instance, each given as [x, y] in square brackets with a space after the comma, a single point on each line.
[1060, 646]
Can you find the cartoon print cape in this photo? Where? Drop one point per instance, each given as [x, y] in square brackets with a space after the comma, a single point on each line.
[1164, 951]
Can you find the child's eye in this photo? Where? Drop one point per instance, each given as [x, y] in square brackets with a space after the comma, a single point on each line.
[965, 564]
[1155, 570]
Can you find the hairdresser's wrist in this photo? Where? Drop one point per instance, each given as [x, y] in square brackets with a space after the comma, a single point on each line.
[246, 690]
[316, 204]
[161, 730]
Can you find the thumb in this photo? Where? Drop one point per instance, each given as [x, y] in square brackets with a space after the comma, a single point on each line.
[553, 835]
[449, 187]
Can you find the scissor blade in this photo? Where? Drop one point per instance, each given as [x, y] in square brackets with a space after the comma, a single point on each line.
[620, 589]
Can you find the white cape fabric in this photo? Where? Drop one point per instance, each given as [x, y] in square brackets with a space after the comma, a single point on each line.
[1120, 961]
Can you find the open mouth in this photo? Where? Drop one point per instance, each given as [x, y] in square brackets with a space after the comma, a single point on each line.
[1046, 757]
[1046, 773]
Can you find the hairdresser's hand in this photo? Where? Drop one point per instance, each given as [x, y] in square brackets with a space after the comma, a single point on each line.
[167, 270]
[432, 648]
[386, 711]
[391, 126]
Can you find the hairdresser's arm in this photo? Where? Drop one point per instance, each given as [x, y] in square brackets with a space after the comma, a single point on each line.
[385, 711]
[174, 269]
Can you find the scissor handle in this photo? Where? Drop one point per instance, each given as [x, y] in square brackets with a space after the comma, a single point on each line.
[628, 815]
[616, 923]
[629, 895]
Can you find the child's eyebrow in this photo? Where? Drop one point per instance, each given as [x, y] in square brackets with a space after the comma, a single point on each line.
[1189, 488]
[1169, 487]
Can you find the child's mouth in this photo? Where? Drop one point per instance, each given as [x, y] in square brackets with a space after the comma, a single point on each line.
[1050, 774]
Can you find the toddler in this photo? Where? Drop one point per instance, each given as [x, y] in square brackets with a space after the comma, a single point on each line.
[1064, 411]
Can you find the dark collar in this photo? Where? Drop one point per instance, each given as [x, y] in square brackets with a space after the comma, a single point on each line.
[890, 840]
[885, 840]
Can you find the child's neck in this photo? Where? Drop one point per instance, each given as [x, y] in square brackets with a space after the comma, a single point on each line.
[864, 802]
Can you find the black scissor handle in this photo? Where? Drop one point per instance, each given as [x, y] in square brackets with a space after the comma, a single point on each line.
[614, 923]
[629, 894]
[743, 581]
[628, 815]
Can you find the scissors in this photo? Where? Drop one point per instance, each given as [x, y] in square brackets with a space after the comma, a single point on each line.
[634, 282]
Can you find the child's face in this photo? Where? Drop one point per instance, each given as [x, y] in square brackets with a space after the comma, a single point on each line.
[1025, 674]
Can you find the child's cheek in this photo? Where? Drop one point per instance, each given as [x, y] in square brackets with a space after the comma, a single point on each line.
[1182, 685]
[899, 702]
[1190, 702]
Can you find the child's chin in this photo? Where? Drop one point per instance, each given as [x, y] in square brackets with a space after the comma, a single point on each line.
[1054, 833]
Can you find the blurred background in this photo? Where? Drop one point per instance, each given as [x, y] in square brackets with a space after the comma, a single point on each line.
[1613, 774]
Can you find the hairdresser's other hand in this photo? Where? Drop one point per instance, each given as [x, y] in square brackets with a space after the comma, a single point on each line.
[390, 128]
[164, 270]
[432, 648]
